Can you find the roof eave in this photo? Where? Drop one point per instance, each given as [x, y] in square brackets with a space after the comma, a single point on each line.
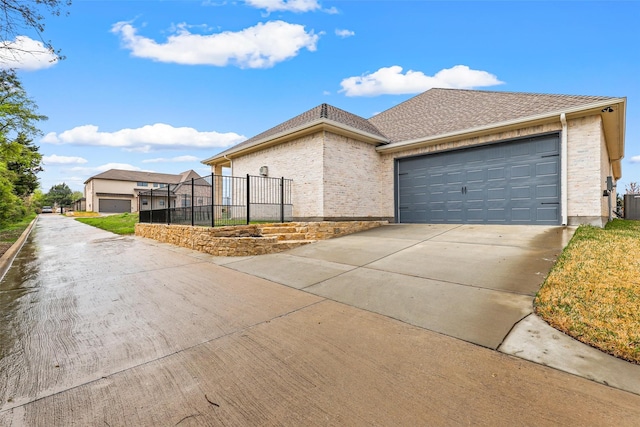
[614, 134]
[297, 132]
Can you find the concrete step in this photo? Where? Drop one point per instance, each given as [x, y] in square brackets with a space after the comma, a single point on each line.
[277, 230]
[288, 236]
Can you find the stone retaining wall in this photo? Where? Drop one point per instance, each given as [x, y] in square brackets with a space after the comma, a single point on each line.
[255, 239]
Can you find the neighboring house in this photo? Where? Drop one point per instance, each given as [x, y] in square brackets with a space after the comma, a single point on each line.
[447, 156]
[80, 205]
[116, 190]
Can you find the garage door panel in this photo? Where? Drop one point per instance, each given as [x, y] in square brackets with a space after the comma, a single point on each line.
[547, 168]
[521, 193]
[496, 194]
[547, 146]
[496, 174]
[547, 191]
[548, 214]
[521, 171]
[476, 176]
[501, 183]
[522, 214]
[114, 205]
[454, 178]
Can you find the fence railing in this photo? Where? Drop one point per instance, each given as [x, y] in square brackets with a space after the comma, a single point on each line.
[217, 200]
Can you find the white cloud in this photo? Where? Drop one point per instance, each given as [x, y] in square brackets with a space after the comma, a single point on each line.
[178, 159]
[345, 33]
[54, 159]
[144, 139]
[635, 159]
[390, 80]
[285, 5]
[260, 46]
[25, 54]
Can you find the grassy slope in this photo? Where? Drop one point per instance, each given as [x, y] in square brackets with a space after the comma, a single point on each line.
[11, 233]
[119, 224]
[593, 291]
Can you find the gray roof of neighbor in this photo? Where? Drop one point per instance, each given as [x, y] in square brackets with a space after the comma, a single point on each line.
[441, 111]
[137, 176]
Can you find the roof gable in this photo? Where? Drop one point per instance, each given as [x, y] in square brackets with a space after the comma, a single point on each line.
[442, 111]
[323, 112]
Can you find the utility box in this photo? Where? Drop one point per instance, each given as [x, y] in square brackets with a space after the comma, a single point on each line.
[632, 206]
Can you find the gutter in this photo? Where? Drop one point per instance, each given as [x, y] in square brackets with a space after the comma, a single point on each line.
[564, 167]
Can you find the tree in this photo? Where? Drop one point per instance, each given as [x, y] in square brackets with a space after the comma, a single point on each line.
[633, 188]
[77, 195]
[24, 162]
[18, 17]
[60, 195]
[18, 112]
[18, 119]
[11, 207]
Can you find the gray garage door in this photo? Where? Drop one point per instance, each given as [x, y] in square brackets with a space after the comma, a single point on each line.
[514, 182]
[114, 205]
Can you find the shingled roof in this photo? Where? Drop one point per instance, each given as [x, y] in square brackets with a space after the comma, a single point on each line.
[442, 111]
[322, 111]
[138, 176]
[434, 113]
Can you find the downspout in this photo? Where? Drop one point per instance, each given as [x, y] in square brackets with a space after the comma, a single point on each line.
[564, 162]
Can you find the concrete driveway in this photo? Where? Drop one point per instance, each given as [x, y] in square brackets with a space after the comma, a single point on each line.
[99, 329]
[472, 282]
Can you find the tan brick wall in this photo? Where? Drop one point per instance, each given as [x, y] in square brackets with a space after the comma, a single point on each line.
[588, 164]
[351, 179]
[300, 160]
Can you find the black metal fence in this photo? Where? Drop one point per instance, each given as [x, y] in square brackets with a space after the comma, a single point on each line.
[217, 200]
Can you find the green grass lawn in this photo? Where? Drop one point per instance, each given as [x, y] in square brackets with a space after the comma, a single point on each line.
[12, 232]
[119, 224]
[593, 291]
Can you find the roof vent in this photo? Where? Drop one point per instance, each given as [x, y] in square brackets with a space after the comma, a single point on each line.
[323, 111]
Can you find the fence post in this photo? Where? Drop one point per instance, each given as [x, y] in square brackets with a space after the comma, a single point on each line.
[248, 199]
[213, 200]
[192, 213]
[168, 204]
[282, 199]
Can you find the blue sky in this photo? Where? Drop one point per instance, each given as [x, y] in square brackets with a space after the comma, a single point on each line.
[161, 85]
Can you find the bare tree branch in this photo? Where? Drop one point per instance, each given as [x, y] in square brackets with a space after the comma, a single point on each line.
[23, 17]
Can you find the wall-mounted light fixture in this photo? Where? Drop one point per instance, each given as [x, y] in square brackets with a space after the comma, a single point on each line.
[264, 171]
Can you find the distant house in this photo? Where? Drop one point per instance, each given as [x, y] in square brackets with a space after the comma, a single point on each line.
[448, 156]
[117, 191]
[80, 204]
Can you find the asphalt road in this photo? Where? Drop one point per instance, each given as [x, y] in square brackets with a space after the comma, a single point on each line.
[98, 329]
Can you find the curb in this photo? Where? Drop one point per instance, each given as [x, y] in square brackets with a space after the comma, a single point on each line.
[7, 259]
